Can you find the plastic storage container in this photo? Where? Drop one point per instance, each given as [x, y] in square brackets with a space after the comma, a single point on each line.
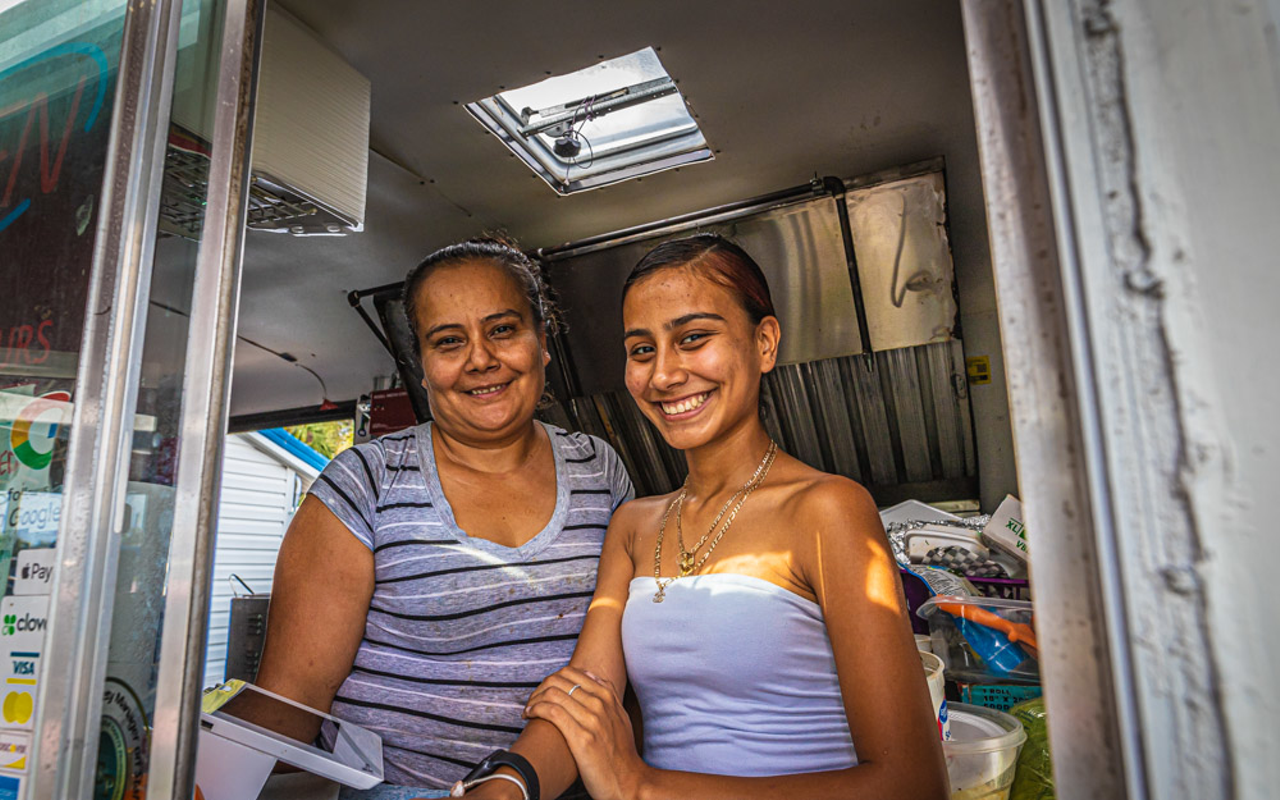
[933, 673]
[982, 754]
[983, 639]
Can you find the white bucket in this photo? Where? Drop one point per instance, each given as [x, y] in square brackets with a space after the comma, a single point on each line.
[982, 755]
[937, 693]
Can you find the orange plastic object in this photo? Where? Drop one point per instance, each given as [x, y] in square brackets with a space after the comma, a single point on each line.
[1019, 632]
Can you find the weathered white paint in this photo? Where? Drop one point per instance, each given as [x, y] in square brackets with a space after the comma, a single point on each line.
[260, 487]
[1202, 89]
[1160, 126]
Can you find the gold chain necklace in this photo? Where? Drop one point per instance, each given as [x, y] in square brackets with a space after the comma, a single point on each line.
[687, 555]
[687, 562]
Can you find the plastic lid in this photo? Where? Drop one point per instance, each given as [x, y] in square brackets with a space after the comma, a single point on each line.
[996, 604]
[975, 729]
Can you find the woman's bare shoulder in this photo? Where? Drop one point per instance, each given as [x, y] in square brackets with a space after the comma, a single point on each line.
[814, 495]
[644, 507]
[836, 494]
[637, 518]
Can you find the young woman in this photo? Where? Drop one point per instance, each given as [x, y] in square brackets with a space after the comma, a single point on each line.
[757, 611]
[434, 576]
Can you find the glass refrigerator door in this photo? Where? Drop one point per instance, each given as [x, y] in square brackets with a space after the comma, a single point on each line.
[107, 159]
[59, 62]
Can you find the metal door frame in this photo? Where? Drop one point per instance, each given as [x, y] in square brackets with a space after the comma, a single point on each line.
[1087, 680]
[76, 650]
[206, 400]
[74, 658]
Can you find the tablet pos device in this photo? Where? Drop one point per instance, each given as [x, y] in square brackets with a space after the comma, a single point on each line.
[245, 730]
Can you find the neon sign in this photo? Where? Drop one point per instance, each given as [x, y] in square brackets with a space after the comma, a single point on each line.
[37, 108]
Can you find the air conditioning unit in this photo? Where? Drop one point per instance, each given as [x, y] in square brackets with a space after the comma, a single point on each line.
[310, 139]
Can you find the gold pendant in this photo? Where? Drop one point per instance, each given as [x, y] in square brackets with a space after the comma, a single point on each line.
[686, 564]
[661, 595]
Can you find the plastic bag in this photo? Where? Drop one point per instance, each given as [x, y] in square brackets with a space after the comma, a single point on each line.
[1034, 778]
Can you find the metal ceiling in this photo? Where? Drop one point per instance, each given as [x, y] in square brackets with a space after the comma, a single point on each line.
[782, 91]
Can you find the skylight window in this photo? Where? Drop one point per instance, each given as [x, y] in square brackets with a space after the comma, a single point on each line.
[615, 120]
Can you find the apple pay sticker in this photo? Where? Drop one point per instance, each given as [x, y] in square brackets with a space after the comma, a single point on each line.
[34, 573]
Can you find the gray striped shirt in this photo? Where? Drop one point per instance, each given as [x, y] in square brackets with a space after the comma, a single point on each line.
[461, 629]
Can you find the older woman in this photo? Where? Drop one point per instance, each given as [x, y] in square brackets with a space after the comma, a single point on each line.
[433, 577]
[756, 610]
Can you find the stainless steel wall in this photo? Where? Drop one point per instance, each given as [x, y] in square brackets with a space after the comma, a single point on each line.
[896, 419]
[798, 247]
[897, 422]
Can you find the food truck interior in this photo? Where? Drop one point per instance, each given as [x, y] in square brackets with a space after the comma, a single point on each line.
[885, 163]
[835, 142]
[852, 157]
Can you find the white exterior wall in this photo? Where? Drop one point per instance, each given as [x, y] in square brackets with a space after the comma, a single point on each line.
[1175, 169]
[1149, 293]
[1203, 84]
[259, 495]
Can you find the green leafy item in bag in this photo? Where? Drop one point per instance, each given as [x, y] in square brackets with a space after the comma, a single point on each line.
[1034, 778]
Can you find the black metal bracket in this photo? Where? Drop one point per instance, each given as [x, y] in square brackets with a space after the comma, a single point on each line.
[836, 188]
[676, 223]
[356, 299]
[247, 423]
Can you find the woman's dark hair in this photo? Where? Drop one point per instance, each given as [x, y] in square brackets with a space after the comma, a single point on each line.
[716, 258]
[494, 249]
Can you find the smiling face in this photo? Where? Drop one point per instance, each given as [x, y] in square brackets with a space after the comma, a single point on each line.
[694, 358]
[483, 356]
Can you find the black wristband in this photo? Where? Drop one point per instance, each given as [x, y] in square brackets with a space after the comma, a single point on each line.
[502, 758]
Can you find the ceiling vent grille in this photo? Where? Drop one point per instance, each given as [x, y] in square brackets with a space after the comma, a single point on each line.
[310, 142]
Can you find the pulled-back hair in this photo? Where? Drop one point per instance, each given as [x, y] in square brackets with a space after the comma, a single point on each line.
[716, 258]
[494, 249]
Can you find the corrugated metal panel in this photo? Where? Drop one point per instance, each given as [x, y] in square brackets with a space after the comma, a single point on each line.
[256, 504]
[832, 414]
[790, 391]
[898, 422]
[908, 412]
[862, 376]
[897, 419]
[944, 383]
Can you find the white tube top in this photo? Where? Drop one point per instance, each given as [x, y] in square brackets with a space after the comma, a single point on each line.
[735, 676]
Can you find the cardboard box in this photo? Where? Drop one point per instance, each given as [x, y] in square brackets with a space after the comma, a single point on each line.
[1006, 531]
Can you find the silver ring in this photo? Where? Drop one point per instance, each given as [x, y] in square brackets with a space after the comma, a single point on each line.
[575, 688]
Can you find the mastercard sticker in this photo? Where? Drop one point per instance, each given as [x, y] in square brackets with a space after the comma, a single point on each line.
[18, 680]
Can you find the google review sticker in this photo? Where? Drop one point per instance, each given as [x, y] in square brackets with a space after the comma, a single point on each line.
[22, 626]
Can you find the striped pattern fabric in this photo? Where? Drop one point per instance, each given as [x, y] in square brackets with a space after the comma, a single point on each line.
[460, 630]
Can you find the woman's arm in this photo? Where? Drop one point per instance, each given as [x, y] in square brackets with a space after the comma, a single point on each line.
[886, 696]
[323, 584]
[599, 651]
[844, 556]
